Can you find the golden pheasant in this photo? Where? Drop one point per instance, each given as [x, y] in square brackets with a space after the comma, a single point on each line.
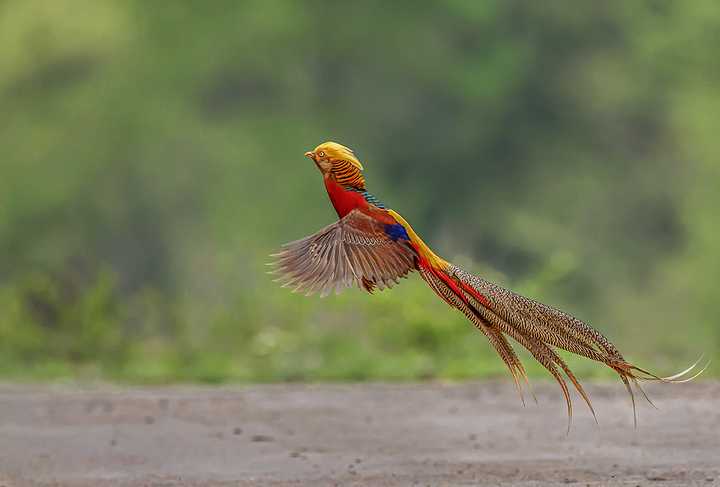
[372, 246]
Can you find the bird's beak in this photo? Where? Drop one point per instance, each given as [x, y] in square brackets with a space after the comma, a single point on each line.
[310, 154]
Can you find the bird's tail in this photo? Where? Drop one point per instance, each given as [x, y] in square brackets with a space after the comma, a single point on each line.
[500, 313]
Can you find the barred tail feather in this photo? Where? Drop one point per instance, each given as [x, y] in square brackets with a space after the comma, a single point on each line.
[500, 313]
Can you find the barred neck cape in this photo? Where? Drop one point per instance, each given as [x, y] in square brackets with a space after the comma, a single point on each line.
[372, 247]
[349, 174]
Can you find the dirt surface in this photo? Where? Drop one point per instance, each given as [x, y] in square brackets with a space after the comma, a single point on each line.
[357, 435]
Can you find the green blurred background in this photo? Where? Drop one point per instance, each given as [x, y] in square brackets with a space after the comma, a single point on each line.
[151, 159]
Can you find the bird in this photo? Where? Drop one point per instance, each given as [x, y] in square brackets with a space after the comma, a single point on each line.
[372, 247]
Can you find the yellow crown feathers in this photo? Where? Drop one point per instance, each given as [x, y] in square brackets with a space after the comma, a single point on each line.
[337, 151]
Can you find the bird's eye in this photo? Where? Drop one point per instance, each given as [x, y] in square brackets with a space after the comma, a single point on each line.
[321, 154]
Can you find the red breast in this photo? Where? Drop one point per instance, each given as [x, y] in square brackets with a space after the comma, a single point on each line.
[343, 200]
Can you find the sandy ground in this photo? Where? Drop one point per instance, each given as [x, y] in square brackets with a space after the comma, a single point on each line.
[356, 435]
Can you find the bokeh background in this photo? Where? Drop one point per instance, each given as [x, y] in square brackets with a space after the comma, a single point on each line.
[151, 159]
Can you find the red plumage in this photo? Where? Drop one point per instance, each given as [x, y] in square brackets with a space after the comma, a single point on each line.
[365, 249]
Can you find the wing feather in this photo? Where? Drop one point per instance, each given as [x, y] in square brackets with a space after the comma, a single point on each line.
[353, 251]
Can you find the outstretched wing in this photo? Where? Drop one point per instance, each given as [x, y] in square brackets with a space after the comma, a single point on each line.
[355, 250]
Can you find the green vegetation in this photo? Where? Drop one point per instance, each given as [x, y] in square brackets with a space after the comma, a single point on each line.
[152, 159]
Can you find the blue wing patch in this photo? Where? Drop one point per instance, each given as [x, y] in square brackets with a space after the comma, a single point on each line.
[396, 231]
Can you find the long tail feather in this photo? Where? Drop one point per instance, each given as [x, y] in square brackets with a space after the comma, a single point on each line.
[540, 329]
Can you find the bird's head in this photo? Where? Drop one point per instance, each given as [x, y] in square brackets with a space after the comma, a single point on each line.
[338, 161]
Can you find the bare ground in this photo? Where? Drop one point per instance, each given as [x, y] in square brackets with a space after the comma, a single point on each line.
[357, 435]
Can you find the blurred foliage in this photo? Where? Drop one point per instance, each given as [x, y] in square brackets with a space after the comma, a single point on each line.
[152, 158]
